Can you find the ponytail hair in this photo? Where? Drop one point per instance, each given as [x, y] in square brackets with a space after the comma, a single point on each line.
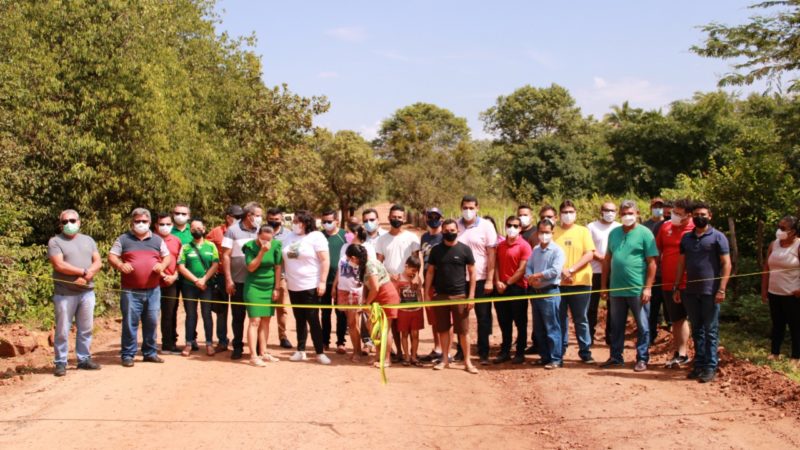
[360, 252]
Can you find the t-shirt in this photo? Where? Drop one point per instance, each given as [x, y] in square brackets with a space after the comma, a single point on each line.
[531, 236]
[234, 239]
[785, 262]
[629, 253]
[450, 276]
[335, 244]
[408, 291]
[216, 235]
[192, 259]
[184, 235]
[427, 242]
[652, 225]
[301, 261]
[575, 242]
[374, 239]
[263, 278]
[142, 254]
[600, 232]
[702, 260]
[668, 241]
[480, 236]
[509, 257]
[376, 269]
[78, 252]
[396, 249]
[174, 245]
[348, 276]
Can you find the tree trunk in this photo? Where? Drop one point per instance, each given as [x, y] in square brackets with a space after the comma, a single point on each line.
[760, 243]
[734, 256]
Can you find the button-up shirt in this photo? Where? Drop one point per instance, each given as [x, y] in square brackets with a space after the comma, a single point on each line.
[549, 261]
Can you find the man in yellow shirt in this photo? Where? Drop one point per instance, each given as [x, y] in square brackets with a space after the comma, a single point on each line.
[576, 278]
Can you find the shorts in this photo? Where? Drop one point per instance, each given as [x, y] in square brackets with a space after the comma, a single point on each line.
[387, 295]
[456, 316]
[408, 321]
[430, 314]
[676, 311]
[349, 298]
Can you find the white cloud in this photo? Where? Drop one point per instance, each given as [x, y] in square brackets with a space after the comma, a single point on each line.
[328, 75]
[370, 132]
[640, 93]
[347, 34]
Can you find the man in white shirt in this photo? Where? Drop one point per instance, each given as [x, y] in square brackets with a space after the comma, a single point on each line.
[600, 230]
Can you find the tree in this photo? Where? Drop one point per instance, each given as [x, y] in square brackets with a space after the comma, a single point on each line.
[768, 45]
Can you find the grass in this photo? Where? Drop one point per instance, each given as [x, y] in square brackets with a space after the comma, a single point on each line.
[755, 348]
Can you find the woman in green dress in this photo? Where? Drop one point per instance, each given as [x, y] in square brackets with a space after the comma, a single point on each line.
[263, 258]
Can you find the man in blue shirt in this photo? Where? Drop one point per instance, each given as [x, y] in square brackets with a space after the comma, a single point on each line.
[705, 255]
[544, 276]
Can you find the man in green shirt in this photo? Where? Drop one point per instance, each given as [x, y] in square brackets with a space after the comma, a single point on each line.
[336, 239]
[631, 261]
[180, 216]
[197, 264]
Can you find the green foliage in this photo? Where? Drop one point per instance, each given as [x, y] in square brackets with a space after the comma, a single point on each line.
[351, 171]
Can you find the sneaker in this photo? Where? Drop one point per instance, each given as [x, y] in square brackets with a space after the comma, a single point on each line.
[439, 359]
[532, 350]
[322, 358]
[269, 358]
[257, 362]
[501, 358]
[640, 366]
[174, 350]
[195, 347]
[612, 364]
[430, 356]
[88, 364]
[341, 350]
[220, 348]
[677, 361]
[60, 370]
[518, 359]
[236, 353]
[707, 376]
[551, 366]
[694, 374]
[298, 356]
[459, 357]
[286, 343]
[588, 360]
[153, 359]
[539, 362]
[127, 362]
[484, 361]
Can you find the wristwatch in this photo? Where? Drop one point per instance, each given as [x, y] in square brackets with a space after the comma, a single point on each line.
[85, 272]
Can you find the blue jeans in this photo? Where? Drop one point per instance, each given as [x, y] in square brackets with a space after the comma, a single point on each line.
[703, 314]
[190, 300]
[619, 316]
[81, 307]
[547, 326]
[578, 304]
[139, 305]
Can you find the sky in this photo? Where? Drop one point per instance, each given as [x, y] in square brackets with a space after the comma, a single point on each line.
[371, 58]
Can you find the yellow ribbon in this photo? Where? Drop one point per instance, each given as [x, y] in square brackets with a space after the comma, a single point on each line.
[380, 334]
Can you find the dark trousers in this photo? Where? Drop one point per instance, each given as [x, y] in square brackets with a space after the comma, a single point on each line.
[509, 314]
[221, 309]
[193, 296]
[657, 305]
[169, 316]
[594, 307]
[341, 319]
[238, 315]
[785, 311]
[483, 313]
[307, 318]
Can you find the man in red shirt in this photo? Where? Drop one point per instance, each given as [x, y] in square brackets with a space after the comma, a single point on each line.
[668, 241]
[169, 286]
[509, 280]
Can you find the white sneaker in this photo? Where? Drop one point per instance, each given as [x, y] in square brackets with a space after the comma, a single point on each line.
[322, 358]
[299, 356]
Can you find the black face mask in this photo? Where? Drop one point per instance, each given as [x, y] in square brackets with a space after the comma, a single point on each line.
[449, 237]
[197, 234]
[700, 222]
[395, 223]
[275, 224]
[434, 223]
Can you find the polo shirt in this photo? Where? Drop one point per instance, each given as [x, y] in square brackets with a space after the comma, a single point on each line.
[185, 236]
[396, 250]
[668, 241]
[509, 255]
[174, 246]
[142, 254]
[575, 241]
[629, 253]
[450, 276]
[235, 237]
[191, 259]
[702, 260]
[549, 261]
[335, 243]
[479, 236]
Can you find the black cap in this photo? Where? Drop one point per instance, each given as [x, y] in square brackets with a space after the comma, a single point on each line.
[234, 211]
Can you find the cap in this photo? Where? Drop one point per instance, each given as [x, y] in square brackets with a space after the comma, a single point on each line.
[656, 200]
[434, 210]
[234, 211]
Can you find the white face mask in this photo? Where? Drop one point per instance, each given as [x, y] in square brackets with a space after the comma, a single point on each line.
[781, 235]
[545, 238]
[525, 220]
[257, 220]
[609, 216]
[297, 228]
[468, 214]
[165, 229]
[568, 218]
[141, 228]
[676, 219]
[657, 212]
[181, 219]
[512, 232]
[628, 219]
[328, 226]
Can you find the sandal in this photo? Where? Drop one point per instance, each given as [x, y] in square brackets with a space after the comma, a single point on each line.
[257, 362]
[416, 363]
[269, 358]
[471, 369]
[377, 365]
[406, 362]
[441, 366]
[187, 350]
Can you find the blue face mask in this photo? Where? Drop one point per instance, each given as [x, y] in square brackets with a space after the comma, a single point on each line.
[371, 226]
[434, 223]
[657, 212]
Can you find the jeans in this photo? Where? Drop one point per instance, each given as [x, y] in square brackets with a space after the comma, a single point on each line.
[594, 307]
[341, 319]
[510, 313]
[169, 316]
[67, 307]
[619, 317]
[483, 314]
[547, 325]
[190, 301]
[578, 305]
[139, 305]
[657, 304]
[307, 318]
[785, 310]
[222, 312]
[703, 314]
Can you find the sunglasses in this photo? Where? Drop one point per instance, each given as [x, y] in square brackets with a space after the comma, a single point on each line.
[371, 220]
[327, 222]
[608, 210]
[547, 217]
[179, 214]
[66, 221]
[512, 226]
[141, 221]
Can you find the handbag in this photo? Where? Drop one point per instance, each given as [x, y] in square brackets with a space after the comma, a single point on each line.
[212, 283]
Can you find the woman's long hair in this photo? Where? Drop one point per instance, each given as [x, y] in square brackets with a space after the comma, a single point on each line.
[360, 252]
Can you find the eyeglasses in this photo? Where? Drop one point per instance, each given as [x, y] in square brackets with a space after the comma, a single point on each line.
[608, 210]
[512, 226]
[547, 217]
[327, 222]
[141, 221]
[66, 221]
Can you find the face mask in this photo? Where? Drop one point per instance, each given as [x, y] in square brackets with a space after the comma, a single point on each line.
[676, 219]
[395, 223]
[181, 219]
[657, 212]
[525, 221]
[141, 228]
[609, 216]
[275, 224]
[628, 220]
[165, 229]
[297, 228]
[370, 226]
[545, 238]
[197, 234]
[71, 229]
[468, 214]
[449, 237]
[568, 218]
[257, 221]
[780, 234]
[434, 223]
[328, 226]
[700, 222]
[512, 232]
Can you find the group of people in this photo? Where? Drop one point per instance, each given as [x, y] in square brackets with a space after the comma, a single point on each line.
[675, 259]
